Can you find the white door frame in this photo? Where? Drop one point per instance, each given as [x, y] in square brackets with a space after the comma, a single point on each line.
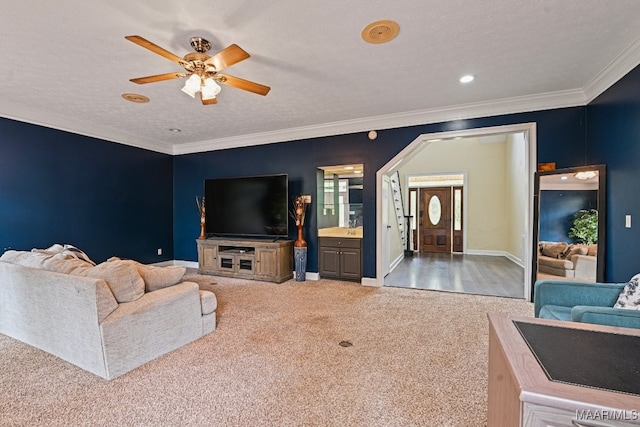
[530, 159]
[385, 226]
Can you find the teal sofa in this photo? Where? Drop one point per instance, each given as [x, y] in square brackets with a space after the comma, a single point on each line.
[585, 302]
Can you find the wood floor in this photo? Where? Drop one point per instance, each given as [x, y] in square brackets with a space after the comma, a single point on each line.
[473, 274]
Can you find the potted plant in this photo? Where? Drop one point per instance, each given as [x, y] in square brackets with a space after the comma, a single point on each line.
[585, 226]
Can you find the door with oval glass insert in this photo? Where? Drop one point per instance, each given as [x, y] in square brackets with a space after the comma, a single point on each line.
[435, 219]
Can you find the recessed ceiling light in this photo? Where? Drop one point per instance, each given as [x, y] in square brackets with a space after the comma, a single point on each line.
[176, 130]
[135, 97]
[564, 178]
[380, 31]
[467, 79]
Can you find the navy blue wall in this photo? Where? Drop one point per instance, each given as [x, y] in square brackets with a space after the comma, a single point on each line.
[557, 209]
[105, 198]
[613, 129]
[560, 139]
[111, 199]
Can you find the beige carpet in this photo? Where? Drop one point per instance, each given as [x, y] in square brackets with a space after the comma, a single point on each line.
[418, 358]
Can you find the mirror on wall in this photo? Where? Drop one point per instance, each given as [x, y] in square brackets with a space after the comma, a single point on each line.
[340, 193]
[569, 224]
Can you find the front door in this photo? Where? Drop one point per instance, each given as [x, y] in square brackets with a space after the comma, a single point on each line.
[435, 219]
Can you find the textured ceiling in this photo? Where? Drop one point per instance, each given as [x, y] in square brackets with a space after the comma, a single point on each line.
[66, 63]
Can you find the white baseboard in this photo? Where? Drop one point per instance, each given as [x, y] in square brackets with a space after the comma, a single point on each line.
[515, 259]
[309, 276]
[484, 252]
[188, 264]
[370, 281]
[507, 255]
[396, 261]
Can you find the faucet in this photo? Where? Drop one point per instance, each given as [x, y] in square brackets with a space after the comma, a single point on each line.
[352, 227]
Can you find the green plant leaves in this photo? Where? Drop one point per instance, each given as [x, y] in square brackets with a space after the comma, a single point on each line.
[585, 226]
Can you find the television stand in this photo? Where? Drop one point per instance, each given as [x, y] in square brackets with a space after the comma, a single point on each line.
[267, 260]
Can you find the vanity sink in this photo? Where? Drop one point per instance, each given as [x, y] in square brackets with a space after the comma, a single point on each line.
[341, 232]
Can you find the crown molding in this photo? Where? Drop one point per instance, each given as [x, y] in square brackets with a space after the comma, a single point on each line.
[521, 104]
[64, 123]
[614, 71]
[617, 69]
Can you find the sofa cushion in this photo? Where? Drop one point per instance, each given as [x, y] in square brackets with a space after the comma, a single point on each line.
[122, 278]
[160, 277]
[77, 253]
[592, 250]
[156, 277]
[574, 250]
[555, 312]
[26, 258]
[630, 295]
[69, 250]
[553, 249]
[67, 264]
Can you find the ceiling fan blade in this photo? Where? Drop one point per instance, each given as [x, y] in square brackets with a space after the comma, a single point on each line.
[140, 41]
[227, 57]
[158, 78]
[208, 101]
[243, 84]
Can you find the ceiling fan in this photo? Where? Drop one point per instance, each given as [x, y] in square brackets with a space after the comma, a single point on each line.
[201, 70]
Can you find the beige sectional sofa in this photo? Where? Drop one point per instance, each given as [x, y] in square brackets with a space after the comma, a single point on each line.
[568, 260]
[107, 319]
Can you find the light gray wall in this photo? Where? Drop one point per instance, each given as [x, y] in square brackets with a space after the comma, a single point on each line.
[496, 193]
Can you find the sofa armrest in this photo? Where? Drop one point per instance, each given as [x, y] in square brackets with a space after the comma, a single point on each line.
[585, 266]
[185, 292]
[606, 316]
[158, 322]
[571, 293]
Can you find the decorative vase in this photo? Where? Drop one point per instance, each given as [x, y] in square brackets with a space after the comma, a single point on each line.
[300, 242]
[203, 217]
[300, 256]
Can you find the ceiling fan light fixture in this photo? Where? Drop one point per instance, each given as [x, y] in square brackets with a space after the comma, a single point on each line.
[192, 85]
[209, 88]
[199, 67]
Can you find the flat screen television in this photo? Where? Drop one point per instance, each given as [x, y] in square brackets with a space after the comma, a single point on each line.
[255, 206]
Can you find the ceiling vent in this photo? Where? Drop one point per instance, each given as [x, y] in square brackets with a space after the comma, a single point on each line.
[380, 31]
[135, 97]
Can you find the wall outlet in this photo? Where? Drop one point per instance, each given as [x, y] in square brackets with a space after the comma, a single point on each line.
[159, 251]
[627, 221]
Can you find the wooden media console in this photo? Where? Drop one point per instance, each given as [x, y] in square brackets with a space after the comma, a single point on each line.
[267, 260]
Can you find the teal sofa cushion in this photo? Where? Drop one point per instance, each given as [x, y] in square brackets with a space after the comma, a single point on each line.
[556, 312]
[585, 302]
